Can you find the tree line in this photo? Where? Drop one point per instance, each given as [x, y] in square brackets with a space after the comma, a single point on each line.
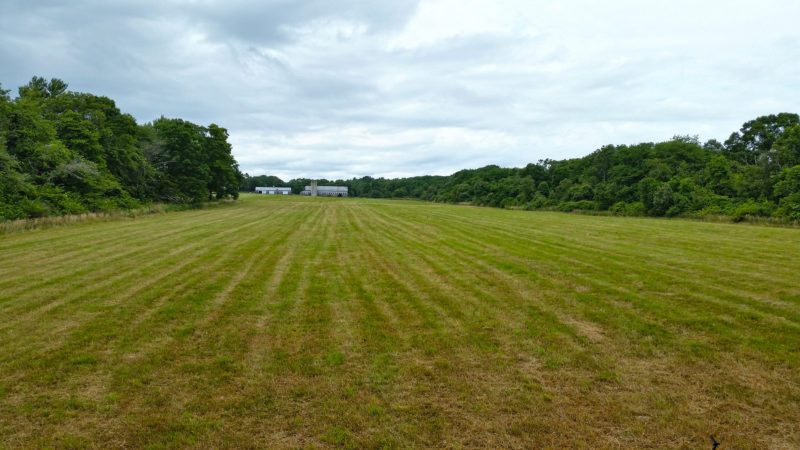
[755, 172]
[64, 152]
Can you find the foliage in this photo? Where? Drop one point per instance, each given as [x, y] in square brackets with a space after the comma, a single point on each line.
[64, 152]
[754, 173]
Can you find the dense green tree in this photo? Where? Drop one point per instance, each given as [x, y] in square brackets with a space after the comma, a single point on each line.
[788, 182]
[56, 87]
[544, 188]
[786, 150]
[756, 137]
[185, 168]
[225, 178]
[718, 175]
[14, 188]
[787, 190]
[68, 152]
[35, 89]
[81, 136]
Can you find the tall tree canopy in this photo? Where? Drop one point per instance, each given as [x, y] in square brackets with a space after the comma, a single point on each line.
[67, 152]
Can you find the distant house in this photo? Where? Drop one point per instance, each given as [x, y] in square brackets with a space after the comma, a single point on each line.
[324, 191]
[274, 190]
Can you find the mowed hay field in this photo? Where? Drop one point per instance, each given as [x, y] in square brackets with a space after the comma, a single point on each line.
[295, 321]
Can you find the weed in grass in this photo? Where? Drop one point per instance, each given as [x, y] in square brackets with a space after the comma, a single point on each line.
[83, 360]
[334, 359]
[337, 435]
[608, 377]
[111, 398]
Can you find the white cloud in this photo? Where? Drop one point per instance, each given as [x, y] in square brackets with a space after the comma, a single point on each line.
[331, 89]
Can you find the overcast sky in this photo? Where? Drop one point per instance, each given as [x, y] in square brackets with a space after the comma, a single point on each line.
[338, 89]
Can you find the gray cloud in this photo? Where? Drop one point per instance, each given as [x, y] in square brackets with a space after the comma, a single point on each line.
[333, 89]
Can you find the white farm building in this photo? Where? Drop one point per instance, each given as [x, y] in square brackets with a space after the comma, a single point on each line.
[324, 191]
[274, 190]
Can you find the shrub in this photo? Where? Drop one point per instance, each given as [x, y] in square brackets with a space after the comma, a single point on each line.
[627, 209]
[789, 207]
[753, 209]
[617, 209]
[582, 205]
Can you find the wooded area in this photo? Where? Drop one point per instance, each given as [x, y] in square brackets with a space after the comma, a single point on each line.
[755, 172]
[64, 152]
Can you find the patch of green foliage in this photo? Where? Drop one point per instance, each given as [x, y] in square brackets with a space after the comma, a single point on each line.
[64, 152]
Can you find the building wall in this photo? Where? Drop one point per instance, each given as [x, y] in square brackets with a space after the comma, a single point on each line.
[321, 193]
[273, 190]
[326, 191]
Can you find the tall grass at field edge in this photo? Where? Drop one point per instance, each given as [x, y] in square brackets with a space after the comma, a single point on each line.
[42, 223]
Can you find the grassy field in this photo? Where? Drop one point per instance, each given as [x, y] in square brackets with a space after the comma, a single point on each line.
[292, 321]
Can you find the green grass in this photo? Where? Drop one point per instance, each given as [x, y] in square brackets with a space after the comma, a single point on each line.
[300, 322]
